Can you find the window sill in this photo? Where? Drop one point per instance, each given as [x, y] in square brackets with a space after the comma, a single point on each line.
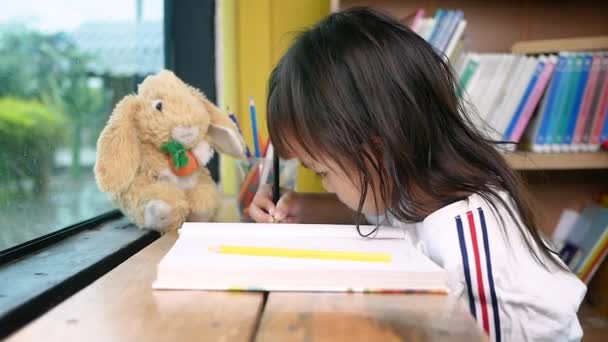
[39, 280]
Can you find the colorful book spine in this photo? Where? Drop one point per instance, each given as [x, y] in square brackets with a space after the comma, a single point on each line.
[581, 237]
[587, 59]
[594, 259]
[601, 112]
[469, 70]
[531, 132]
[568, 253]
[516, 93]
[418, 19]
[604, 134]
[426, 28]
[583, 115]
[439, 22]
[445, 22]
[499, 111]
[540, 65]
[558, 111]
[444, 39]
[454, 48]
[495, 87]
[595, 102]
[542, 137]
[534, 99]
[568, 100]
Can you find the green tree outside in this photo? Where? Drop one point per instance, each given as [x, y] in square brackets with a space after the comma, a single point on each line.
[50, 69]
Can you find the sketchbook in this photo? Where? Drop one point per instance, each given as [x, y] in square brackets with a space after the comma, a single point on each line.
[296, 257]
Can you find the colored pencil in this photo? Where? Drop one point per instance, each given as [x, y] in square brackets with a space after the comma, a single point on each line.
[236, 122]
[254, 127]
[276, 185]
[302, 253]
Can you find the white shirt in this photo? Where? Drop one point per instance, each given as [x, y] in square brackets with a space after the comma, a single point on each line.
[491, 270]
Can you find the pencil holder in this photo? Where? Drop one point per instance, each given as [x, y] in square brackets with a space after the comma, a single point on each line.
[252, 173]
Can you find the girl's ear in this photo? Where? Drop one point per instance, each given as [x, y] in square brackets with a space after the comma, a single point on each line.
[377, 143]
[377, 146]
[118, 151]
[223, 135]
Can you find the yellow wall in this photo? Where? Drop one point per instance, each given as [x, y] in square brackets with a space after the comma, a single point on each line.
[254, 61]
[289, 17]
[264, 29]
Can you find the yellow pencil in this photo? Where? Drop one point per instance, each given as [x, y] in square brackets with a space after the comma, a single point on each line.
[302, 253]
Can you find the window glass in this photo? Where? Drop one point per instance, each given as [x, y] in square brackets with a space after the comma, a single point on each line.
[63, 66]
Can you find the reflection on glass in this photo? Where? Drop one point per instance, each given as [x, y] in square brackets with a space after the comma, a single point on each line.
[61, 73]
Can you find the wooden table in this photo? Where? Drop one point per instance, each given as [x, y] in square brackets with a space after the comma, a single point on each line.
[121, 306]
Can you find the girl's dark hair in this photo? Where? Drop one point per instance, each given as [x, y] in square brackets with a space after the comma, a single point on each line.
[361, 89]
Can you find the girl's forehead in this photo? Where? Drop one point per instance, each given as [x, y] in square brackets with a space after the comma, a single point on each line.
[307, 156]
[297, 151]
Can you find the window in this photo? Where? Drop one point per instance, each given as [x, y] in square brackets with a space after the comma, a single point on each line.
[63, 66]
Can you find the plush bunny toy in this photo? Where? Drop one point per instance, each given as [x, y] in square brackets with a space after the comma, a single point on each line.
[151, 155]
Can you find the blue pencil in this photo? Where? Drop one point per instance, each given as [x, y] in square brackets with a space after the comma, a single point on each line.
[254, 126]
[233, 118]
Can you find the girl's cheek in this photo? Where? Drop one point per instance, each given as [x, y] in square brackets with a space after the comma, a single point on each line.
[348, 200]
[327, 185]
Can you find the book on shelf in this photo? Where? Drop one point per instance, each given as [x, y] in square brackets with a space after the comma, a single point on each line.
[551, 103]
[417, 19]
[584, 116]
[528, 104]
[283, 257]
[548, 103]
[444, 30]
[575, 106]
[582, 240]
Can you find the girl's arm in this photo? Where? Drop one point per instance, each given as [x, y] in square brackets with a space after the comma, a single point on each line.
[323, 208]
[296, 207]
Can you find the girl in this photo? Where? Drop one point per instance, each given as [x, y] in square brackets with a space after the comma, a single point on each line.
[372, 108]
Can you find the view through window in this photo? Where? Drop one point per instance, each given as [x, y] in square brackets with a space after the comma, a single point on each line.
[63, 66]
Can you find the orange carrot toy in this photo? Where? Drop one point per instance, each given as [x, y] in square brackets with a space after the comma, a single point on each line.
[181, 161]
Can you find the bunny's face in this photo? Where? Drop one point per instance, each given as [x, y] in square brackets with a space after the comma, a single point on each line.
[168, 110]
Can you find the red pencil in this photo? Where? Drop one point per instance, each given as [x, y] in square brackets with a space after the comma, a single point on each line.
[265, 145]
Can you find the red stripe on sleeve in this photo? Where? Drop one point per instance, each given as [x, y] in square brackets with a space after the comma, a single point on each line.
[480, 288]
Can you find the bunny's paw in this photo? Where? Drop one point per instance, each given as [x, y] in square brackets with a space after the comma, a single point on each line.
[203, 152]
[157, 215]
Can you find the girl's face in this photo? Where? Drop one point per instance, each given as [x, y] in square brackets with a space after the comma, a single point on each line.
[345, 185]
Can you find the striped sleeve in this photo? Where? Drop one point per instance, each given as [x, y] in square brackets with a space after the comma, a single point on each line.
[476, 256]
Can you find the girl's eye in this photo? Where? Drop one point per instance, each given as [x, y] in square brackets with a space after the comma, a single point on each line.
[158, 105]
[321, 174]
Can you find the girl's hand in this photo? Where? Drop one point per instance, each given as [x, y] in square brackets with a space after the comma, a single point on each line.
[262, 210]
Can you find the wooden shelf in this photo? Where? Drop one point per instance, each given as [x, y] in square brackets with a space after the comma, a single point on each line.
[557, 161]
[593, 322]
[566, 44]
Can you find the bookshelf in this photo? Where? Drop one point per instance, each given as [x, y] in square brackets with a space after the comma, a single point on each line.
[528, 161]
[582, 175]
[566, 44]
[559, 161]
[555, 181]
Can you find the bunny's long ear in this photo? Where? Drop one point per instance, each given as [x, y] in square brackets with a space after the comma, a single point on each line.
[118, 151]
[223, 134]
